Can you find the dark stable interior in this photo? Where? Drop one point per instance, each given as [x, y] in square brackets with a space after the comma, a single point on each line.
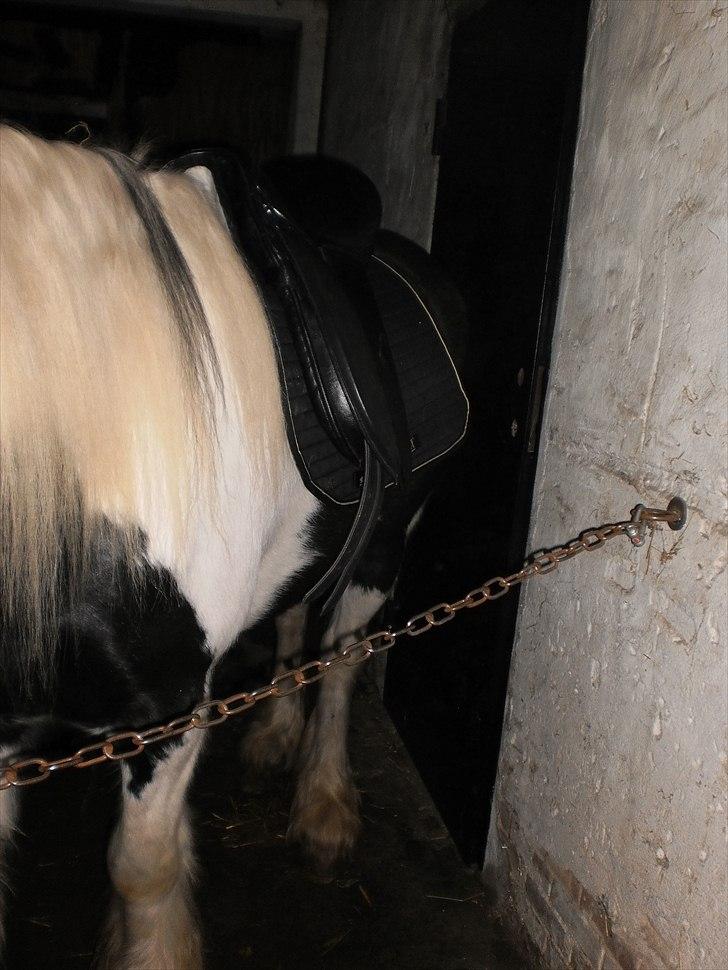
[506, 149]
[506, 152]
[161, 83]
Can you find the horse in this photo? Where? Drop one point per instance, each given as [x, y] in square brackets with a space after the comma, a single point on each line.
[153, 511]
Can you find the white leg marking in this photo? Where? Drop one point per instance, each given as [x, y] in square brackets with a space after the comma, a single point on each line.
[325, 812]
[8, 816]
[272, 740]
[152, 924]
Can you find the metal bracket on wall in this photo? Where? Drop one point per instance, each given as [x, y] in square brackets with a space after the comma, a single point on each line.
[675, 515]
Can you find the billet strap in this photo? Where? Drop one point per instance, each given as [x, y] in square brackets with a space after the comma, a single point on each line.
[342, 569]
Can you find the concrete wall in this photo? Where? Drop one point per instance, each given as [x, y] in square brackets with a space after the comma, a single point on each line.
[609, 829]
[386, 68]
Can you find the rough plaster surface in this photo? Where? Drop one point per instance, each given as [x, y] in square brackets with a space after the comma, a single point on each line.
[385, 71]
[614, 752]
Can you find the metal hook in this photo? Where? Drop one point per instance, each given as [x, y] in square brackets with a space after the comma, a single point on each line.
[675, 515]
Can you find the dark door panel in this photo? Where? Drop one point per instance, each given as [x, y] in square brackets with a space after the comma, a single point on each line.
[507, 149]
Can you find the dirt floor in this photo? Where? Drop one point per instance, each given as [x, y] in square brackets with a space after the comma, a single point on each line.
[403, 902]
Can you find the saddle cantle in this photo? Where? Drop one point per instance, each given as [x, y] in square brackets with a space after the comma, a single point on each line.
[370, 391]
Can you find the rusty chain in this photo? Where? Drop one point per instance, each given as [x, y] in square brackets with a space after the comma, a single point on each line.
[124, 745]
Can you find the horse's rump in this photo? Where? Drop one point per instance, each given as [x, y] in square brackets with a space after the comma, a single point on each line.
[109, 406]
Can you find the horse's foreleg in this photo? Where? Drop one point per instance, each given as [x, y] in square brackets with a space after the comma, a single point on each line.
[325, 812]
[152, 924]
[272, 740]
[8, 815]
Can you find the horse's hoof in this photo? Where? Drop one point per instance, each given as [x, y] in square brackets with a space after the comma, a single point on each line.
[325, 824]
[110, 947]
[166, 938]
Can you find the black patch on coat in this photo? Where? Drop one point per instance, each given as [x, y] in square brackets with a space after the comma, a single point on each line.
[130, 654]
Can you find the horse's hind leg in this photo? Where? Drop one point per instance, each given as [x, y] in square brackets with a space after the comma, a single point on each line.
[273, 738]
[325, 812]
[152, 924]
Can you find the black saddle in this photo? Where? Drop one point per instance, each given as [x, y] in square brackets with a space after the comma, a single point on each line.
[370, 392]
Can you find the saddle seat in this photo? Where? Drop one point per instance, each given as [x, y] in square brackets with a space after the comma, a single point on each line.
[334, 203]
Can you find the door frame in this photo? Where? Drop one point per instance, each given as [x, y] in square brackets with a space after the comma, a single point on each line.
[308, 17]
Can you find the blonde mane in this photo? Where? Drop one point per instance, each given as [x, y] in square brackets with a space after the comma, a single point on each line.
[109, 389]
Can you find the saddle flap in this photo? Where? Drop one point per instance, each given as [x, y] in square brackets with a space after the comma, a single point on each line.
[345, 365]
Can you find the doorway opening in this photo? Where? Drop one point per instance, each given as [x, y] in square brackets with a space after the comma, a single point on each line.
[165, 81]
[506, 140]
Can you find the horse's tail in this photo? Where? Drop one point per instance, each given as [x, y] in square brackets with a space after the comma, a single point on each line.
[107, 377]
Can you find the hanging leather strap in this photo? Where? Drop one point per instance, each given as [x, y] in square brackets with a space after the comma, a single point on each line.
[367, 514]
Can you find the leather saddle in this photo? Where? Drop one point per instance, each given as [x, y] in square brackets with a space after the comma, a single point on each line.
[307, 229]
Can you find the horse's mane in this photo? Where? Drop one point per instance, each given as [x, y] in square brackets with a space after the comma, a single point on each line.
[110, 381]
[174, 275]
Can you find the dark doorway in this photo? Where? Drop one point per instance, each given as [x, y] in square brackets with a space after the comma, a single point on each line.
[507, 143]
[163, 82]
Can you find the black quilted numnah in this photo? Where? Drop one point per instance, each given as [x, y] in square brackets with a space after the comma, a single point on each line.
[435, 405]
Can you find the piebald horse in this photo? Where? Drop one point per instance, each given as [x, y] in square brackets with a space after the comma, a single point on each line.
[152, 511]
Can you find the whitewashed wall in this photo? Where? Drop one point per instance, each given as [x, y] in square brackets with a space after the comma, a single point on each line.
[609, 829]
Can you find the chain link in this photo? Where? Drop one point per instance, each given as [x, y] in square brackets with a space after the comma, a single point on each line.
[129, 744]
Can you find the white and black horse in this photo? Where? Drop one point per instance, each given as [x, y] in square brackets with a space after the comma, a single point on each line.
[152, 511]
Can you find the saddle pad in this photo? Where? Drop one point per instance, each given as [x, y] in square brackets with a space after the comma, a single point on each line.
[436, 408]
